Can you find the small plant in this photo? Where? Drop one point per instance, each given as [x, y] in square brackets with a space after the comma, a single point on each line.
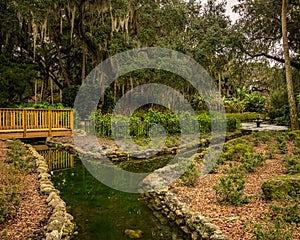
[17, 156]
[282, 147]
[252, 161]
[230, 190]
[234, 168]
[287, 211]
[9, 201]
[189, 178]
[292, 163]
[235, 152]
[278, 230]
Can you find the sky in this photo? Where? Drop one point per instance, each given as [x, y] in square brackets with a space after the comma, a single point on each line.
[230, 3]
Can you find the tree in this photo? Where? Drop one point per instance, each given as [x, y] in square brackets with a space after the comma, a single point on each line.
[288, 70]
[264, 25]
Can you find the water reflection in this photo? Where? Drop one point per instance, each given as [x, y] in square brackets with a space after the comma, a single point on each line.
[99, 211]
[56, 159]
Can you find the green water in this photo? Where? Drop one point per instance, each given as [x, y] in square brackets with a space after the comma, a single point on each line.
[104, 213]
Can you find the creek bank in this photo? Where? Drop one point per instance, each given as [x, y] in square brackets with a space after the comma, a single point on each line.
[97, 150]
[60, 224]
[164, 204]
[167, 208]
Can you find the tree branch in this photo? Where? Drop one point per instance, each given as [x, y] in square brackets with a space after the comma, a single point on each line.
[277, 59]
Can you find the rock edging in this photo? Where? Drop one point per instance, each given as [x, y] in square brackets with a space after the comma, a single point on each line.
[60, 224]
[165, 203]
[194, 225]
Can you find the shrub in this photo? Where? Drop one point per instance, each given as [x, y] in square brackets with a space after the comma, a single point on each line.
[287, 211]
[252, 161]
[17, 156]
[272, 231]
[292, 163]
[140, 125]
[230, 190]
[282, 187]
[244, 117]
[234, 105]
[9, 201]
[255, 103]
[189, 178]
[237, 151]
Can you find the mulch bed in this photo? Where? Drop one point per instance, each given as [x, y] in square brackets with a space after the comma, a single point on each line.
[33, 211]
[234, 221]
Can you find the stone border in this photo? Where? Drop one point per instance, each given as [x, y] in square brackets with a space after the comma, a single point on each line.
[60, 224]
[194, 225]
[166, 204]
[117, 156]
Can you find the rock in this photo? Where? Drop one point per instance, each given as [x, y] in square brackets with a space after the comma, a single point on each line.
[133, 233]
[172, 216]
[41, 169]
[185, 229]
[44, 176]
[54, 235]
[281, 187]
[55, 225]
[51, 196]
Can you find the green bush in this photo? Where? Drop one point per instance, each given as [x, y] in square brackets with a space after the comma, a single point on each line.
[237, 151]
[17, 156]
[292, 163]
[189, 178]
[251, 161]
[279, 112]
[287, 211]
[234, 105]
[140, 124]
[230, 190]
[282, 187]
[245, 117]
[9, 201]
[255, 103]
[272, 231]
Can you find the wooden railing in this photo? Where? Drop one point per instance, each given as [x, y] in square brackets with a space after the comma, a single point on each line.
[57, 159]
[31, 123]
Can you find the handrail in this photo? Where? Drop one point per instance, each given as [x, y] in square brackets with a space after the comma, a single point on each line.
[26, 120]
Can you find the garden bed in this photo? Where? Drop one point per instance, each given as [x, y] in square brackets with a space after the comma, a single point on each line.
[257, 218]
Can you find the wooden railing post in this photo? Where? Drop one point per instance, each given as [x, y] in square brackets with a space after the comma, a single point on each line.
[71, 119]
[24, 122]
[50, 122]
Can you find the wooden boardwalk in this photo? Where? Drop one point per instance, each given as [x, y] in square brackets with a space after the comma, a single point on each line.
[35, 123]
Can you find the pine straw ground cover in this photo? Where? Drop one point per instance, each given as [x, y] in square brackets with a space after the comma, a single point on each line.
[23, 210]
[244, 214]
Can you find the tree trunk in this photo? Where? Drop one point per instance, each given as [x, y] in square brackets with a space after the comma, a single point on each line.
[288, 69]
[83, 62]
[35, 91]
[51, 90]
[220, 83]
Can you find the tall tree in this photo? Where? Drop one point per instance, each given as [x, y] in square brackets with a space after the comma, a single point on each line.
[288, 69]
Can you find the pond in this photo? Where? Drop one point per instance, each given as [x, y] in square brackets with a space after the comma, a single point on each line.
[99, 211]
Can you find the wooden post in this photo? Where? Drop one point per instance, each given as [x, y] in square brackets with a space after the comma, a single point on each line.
[24, 122]
[50, 122]
[71, 119]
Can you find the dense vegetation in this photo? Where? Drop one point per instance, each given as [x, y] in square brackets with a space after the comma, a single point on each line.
[47, 48]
